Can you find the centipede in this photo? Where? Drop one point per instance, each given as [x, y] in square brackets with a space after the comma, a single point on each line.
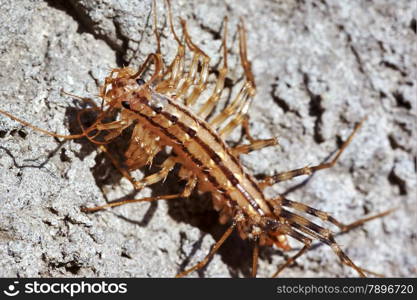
[157, 104]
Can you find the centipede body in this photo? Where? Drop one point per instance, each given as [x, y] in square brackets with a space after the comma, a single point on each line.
[323, 152]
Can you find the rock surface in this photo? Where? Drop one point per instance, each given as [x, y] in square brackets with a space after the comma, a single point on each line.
[320, 67]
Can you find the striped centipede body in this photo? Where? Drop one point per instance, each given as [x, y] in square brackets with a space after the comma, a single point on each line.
[159, 109]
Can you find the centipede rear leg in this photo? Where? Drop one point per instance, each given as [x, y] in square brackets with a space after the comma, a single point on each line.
[325, 217]
[324, 235]
[315, 231]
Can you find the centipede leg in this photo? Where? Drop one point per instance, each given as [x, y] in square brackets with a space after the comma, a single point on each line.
[246, 128]
[189, 187]
[242, 101]
[199, 65]
[255, 257]
[256, 145]
[237, 120]
[84, 99]
[215, 248]
[174, 72]
[307, 244]
[116, 164]
[50, 133]
[155, 27]
[211, 102]
[243, 51]
[67, 137]
[270, 180]
[324, 235]
[166, 167]
[200, 61]
[328, 218]
[238, 106]
[241, 118]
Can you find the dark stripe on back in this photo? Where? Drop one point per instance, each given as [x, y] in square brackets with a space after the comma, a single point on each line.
[212, 154]
[211, 178]
[216, 137]
[218, 161]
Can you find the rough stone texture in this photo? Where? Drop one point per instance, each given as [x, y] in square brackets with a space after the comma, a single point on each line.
[320, 67]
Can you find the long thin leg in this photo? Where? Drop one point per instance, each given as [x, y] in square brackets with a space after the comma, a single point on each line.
[216, 247]
[246, 128]
[255, 145]
[243, 49]
[185, 193]
[232, 124]
[241, 118]
[270, 180]
[67, 137]
[96, 126]
[201, 60]
[255, 257]
[219, 87]
[116, 164]
[326, 217]
[199, 66]
[155, 27]
[84, 99]
[174, 72]
[322, 234]
[241, 103]
[166, 167]
[307, 244]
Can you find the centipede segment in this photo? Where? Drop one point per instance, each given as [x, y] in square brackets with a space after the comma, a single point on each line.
[159, 110]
